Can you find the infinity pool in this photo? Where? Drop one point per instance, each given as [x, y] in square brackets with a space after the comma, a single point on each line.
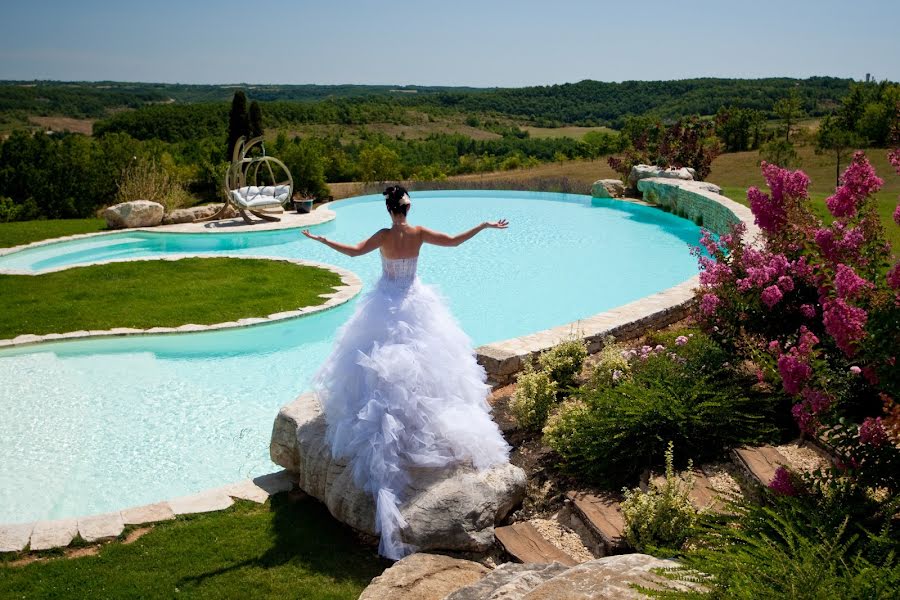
[99, 425]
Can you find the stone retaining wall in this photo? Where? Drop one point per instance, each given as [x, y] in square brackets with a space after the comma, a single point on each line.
[695, 201]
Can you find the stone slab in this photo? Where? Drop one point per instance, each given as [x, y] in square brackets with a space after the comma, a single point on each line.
[526, 543]
[422, 576]
[604, 516]
[53, 534]
[150, 513]
[761, 462]
[100, 527]
[14, 538]
[208, 501]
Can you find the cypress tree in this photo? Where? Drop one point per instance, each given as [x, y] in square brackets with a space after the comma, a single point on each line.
[256, 126]
[238, 122]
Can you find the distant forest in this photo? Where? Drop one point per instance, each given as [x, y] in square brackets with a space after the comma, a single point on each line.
[587, 102]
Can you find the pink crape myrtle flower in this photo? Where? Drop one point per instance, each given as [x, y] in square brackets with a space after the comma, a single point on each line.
[781, 483]
[709, 303]
[893, 276]
[872, 433]
[681, 340]
[786, 283]
[847, 283]
[858, 182]
[845, 323]
[808, 311]
[771, 295]
[897, 215]
[794, 372]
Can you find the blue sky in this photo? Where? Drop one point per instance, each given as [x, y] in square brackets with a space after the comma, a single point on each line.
[462, 42]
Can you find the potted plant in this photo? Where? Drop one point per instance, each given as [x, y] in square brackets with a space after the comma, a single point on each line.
[303, 204]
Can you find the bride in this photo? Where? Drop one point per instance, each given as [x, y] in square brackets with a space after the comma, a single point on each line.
[401, 387]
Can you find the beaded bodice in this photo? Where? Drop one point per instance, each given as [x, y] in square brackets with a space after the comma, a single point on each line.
[399, 270]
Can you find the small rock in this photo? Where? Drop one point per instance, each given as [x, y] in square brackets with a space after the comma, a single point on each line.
[100, 527]
[138, 213]
[189, 215]
[423, 576]
[53, 534]
[151, 513]
[608, 188]
[13, 538]
[639, 172]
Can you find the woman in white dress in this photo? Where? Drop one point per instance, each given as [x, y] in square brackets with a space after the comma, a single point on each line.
[402, 387]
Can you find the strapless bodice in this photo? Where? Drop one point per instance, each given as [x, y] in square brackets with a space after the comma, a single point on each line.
[399, 270]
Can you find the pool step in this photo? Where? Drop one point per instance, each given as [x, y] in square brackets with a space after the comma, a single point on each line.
[603, 516]
[760, 463]
[527, 545]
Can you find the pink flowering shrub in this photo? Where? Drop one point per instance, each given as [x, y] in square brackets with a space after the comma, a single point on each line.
[806, 301]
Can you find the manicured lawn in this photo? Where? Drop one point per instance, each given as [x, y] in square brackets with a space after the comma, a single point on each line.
[25, 232]
[282, 549]
[156, 293]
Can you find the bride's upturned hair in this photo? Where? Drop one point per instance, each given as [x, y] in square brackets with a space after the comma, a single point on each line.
[397, 199]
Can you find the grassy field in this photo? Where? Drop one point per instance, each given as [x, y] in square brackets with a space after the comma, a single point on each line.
[25, 232]
[571, 131]
[282, 549]
[156, 293]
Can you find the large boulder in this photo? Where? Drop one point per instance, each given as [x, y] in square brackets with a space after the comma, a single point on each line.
[609, 578]
[639, 172]
[194, 213]
[137, 213]
[608, 188]
[447, 509]
[423, 576]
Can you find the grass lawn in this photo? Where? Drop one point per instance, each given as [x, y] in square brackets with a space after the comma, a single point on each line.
[25, 232]
[156, 293]
[282, 549]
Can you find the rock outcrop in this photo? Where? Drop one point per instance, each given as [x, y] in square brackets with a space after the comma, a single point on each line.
[423, 576]
[608, 188]
[452, 509]
[608, 578]
[138, 213]
[639, 172]
[189, 215]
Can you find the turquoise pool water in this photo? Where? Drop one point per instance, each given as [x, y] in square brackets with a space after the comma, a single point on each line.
[99, 425]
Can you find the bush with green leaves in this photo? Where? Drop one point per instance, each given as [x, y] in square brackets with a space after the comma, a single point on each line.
[535, 395]
[564, 361]
[663, 516]
[611, 365]
[687, 394]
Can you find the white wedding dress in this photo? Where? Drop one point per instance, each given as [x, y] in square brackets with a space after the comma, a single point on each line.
[401, 389]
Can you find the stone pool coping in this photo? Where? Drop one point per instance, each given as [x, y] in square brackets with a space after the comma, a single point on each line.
[320, 215]
[350, 286]
[502, 360]
[59, 533]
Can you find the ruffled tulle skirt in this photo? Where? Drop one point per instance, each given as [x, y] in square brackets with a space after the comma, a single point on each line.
[401, 389]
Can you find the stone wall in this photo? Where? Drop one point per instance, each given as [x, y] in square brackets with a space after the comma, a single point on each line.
[696, 201]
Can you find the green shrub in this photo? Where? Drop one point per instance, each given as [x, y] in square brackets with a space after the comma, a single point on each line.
[685, 394]
[535, 395]
[564, 361]
[611, 366]
[663, 516]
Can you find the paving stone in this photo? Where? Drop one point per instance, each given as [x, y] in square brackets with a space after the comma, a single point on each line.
[527, 544]
[100, 527]
[761, 462]
[150, 513]
[604, 516]
[208, 501]
[13, 538]
[53, 534]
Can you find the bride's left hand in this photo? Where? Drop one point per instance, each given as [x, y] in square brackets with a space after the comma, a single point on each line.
[501, 224]
[311, 236]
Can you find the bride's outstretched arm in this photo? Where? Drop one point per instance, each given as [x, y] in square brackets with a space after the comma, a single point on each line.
[364, 247]
[442, 239]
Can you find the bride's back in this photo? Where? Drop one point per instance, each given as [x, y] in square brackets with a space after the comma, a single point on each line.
[401, 241]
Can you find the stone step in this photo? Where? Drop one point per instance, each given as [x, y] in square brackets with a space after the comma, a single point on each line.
[603, 515]
[526, 543]
[702, 495]
[760, 462]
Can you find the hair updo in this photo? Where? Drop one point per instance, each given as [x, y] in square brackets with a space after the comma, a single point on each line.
[397, 199]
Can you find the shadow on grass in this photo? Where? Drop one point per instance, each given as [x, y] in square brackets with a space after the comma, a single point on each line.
[306, 536]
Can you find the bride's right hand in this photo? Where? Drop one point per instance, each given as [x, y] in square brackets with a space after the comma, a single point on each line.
[311, 236]
[501, 224]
